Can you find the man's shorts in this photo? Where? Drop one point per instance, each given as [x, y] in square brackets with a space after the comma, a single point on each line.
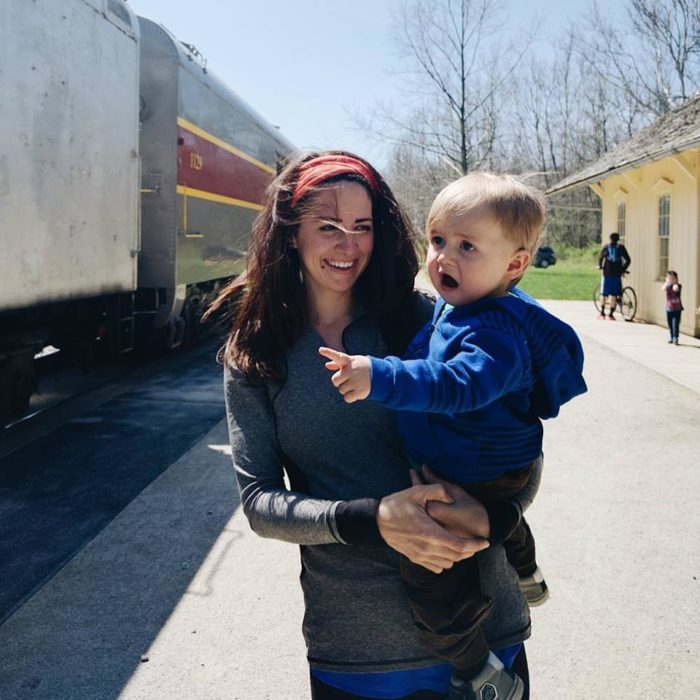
[612, 287]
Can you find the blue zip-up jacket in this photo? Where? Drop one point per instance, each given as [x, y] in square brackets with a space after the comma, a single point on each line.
[493, 369]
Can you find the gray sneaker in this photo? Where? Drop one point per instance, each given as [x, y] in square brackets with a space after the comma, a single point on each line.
[534, 588]
[494, 682]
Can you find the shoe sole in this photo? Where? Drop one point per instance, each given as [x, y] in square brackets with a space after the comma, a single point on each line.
[541, 599]
[534, 593]
[518, 689]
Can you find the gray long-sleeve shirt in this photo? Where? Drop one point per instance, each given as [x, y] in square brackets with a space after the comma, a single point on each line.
[356, 613]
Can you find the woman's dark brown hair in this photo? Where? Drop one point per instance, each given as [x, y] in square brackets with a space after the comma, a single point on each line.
[268, 305]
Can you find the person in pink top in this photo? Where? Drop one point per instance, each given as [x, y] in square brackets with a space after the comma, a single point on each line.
[674, 306]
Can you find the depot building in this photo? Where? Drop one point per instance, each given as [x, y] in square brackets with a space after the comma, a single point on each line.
[649, 192]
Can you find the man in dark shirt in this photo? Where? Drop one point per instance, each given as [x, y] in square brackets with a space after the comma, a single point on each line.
[613, 261]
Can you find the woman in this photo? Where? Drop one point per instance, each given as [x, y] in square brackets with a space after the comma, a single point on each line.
[332, 262]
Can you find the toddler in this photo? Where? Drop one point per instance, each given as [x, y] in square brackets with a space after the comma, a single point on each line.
[470, 399]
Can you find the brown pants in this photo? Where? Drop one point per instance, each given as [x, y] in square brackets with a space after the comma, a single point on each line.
[448, 608]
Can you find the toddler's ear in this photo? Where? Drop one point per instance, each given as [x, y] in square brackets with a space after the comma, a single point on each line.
[518, 263]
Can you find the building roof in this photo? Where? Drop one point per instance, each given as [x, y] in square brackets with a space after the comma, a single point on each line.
[674, 132]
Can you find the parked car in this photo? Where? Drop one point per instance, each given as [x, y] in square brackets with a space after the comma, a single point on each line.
[545, 256]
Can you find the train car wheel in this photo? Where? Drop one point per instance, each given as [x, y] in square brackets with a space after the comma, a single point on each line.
[173, 334]
[192, 313]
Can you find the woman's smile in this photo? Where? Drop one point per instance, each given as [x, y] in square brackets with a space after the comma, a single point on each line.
[341, 266]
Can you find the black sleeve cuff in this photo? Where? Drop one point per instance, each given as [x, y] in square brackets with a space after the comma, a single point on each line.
[503, 519]
[356, 521]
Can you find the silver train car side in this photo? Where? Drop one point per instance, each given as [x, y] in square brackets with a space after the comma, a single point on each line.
[129, 179]
[198, 199]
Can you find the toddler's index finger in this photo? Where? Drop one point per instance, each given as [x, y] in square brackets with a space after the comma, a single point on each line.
[338, 359]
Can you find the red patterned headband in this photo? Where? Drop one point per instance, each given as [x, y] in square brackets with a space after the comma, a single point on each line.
[317, 170]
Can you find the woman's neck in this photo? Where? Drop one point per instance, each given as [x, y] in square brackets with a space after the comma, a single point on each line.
[330, 315]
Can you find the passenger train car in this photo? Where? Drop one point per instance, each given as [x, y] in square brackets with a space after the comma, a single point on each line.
[129, 179]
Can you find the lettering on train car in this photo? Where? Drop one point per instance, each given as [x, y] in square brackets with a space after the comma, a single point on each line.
[196, 161]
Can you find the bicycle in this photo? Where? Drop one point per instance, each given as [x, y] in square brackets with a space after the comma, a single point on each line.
[626, 302]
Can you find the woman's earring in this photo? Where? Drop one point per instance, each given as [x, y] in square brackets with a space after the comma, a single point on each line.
[295, 255]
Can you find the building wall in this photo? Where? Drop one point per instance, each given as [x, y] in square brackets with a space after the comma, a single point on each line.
[640, 190]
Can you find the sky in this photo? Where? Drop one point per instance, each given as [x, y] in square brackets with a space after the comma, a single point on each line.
[307, 66]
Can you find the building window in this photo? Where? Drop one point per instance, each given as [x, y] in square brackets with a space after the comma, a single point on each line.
[664, 230]
[621, 221]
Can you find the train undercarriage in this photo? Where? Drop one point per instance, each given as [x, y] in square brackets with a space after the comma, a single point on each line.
[85, 332]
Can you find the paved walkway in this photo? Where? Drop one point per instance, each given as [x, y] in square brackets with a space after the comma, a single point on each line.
[176, 598]
[617, 520]
[644, 343]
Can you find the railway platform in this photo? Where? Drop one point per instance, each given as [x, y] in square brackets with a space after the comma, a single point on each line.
[644, 343]
[176, 598]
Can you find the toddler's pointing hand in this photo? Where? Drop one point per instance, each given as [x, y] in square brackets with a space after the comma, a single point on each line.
[352, 375]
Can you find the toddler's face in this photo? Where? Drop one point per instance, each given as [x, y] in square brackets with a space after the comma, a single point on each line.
[469, 257]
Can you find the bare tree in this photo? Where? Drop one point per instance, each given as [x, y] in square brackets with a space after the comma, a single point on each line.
[652, 55]
[565, 116]
[455, 67]
[471, 102]
[416, 177]
[541, 118]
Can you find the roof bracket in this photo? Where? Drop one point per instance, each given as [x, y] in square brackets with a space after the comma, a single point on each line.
[628, 178]
[683, 163]
[663, 184]
[597, 187]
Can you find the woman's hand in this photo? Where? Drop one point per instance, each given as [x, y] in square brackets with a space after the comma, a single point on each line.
[406, 526]
[465, 516]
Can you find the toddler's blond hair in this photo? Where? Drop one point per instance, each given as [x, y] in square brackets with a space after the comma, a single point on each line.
[518, 208]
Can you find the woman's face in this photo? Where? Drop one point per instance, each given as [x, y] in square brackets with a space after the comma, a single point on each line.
[335, 238]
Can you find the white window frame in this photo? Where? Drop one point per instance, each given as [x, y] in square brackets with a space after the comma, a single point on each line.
[622, 220]
[663, 233]
[620, 202]
[664, 220]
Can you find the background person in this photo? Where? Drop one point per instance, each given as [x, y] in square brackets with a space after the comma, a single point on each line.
[674, 306]
[613, 261]
[332, 262]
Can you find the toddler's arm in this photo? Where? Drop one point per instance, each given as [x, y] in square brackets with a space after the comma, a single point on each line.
[477, 375]
[353, 377]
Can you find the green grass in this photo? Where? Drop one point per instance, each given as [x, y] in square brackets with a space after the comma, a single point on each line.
[573, 277]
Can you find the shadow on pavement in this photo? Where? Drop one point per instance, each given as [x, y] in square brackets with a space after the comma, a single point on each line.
[82, 602]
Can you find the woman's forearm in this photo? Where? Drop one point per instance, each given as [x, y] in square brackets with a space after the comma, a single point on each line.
[292, 517]
[295, 517]
[272, 510]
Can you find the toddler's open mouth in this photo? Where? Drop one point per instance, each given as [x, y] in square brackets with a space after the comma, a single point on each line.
[448, 281]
